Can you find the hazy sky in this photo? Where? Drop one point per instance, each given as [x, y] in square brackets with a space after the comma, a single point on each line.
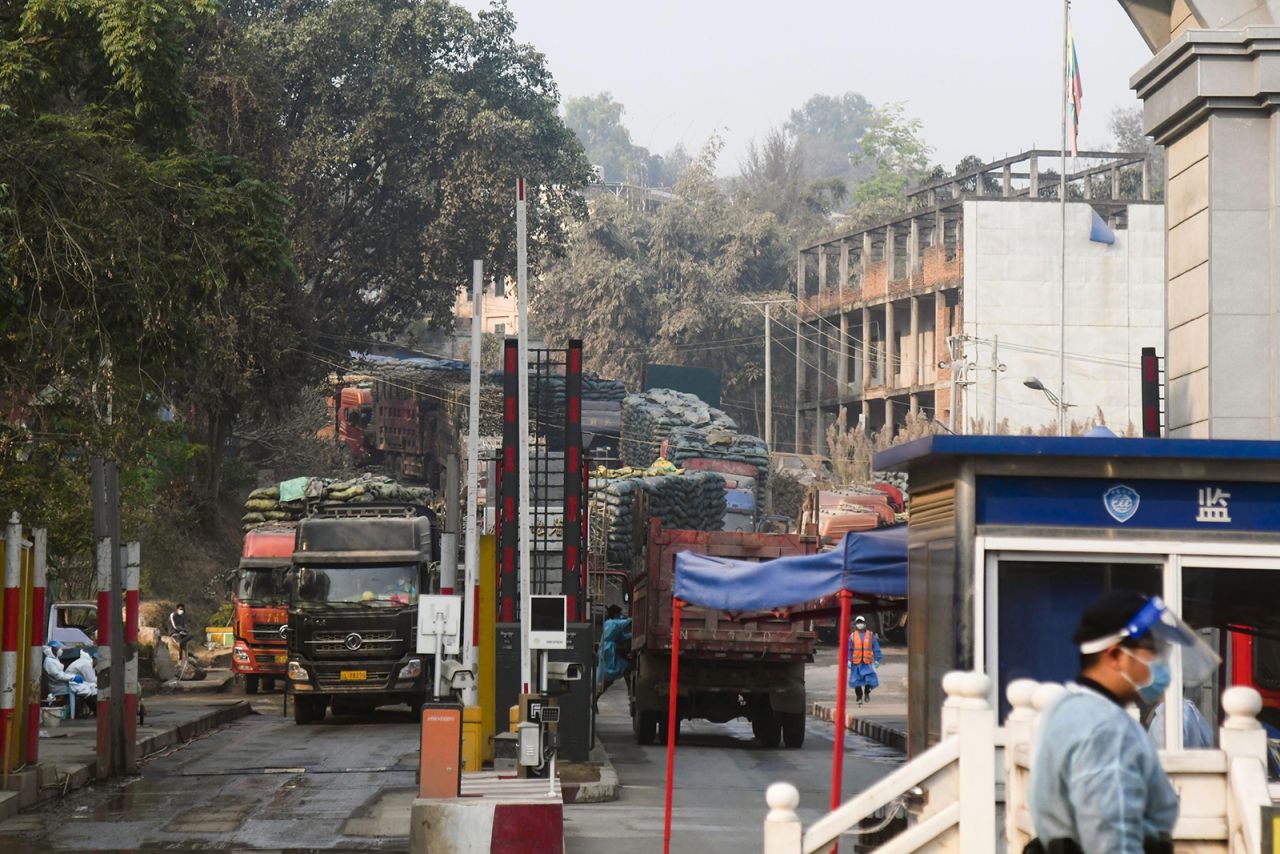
[981, 77]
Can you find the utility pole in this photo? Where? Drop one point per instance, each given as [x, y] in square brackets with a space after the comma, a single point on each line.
[958, 365]
[995, 369]
[522, 427]
[768, 380]
[106, 524]
[471, 551]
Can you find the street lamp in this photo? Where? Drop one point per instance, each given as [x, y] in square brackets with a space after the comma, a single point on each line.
[1034, 384]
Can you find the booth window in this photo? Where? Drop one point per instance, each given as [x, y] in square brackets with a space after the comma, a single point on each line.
[1040, 602]
[1234, 609]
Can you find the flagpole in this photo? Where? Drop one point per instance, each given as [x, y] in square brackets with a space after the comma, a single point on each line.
[1062, 199]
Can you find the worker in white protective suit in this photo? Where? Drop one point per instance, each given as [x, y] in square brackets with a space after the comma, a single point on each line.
[64, 681]
[84, 666]
[1097, 786]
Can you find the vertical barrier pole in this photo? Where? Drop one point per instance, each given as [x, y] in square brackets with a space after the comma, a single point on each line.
[22, 696]
[842, 691]
[35, 664]
[133, 571]
[103, 718]
[9, 640]
[677, 607]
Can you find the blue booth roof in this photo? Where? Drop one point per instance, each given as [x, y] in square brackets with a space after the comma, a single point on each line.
[869, 563]
[902, 457]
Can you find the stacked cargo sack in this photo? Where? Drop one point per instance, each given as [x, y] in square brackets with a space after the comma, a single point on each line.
[685, 500]
[649, 418]
[716, 443]
[288, 501]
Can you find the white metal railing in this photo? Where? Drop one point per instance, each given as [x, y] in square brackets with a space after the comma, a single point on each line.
[957, 775]
[1221, 792]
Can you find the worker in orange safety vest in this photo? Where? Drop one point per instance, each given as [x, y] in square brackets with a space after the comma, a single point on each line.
[864, 660]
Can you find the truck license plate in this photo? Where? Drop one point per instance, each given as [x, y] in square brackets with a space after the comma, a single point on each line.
[282, 659]
[353, 675]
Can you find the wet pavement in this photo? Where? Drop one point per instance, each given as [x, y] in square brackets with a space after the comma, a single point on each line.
[261, 783]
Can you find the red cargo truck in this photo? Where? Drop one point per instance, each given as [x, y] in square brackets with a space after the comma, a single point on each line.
[260, 593]
[731, 666]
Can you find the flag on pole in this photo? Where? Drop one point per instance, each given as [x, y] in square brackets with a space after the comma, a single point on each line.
[1076, 89]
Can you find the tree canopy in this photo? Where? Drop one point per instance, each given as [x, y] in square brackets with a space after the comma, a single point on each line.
[597, 122]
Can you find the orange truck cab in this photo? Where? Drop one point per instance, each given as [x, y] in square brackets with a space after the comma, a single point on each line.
[353, 416]
[260, 594]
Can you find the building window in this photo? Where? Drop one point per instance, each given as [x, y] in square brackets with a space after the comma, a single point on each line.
[499, 287]
[500, 329]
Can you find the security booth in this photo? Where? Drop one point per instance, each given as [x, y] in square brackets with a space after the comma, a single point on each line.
[1011, 537]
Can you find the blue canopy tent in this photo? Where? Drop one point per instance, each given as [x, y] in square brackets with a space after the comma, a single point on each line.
[869, 563]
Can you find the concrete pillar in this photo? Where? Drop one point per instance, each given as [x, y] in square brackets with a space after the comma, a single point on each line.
[1207, 98]
[888, 416]
[915, 403]
[1033, 168]
[890, 253]
[868, 352]
[913, 349]
[842, 366]
[800, 274]
[867, 249]
[978, 184]
[890, 349]
[822, 269]
[913, 250]
[940, 230]
[1006, 186]
[819, 432]
[1115, 182]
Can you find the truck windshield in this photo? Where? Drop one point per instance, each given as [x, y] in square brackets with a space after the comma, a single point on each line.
[262, 586]
[370, 586]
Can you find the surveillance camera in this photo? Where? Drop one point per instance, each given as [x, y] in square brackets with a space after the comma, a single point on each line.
[456, 675]
[564, 671]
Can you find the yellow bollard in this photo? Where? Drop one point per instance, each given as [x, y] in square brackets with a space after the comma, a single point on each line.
[472, 739]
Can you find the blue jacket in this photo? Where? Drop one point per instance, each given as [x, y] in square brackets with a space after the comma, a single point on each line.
[611, 666]
[1096, 778]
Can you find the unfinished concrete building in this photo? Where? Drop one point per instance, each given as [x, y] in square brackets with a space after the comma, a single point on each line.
[901, 316]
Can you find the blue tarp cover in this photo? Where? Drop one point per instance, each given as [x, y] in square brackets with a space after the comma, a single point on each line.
[871, 563]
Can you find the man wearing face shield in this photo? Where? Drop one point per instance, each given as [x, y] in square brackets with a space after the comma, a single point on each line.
[1096, 781]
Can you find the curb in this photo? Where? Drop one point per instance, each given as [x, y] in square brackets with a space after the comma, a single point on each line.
[598, 791]
[882, 733]
[56, 781]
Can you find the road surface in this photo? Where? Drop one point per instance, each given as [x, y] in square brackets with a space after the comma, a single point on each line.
[721, 775]
[346, 785]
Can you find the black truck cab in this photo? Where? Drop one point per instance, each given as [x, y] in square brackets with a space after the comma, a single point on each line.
[354, 583]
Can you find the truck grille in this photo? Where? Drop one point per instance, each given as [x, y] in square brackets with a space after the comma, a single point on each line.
[268, 633]
[334, 644]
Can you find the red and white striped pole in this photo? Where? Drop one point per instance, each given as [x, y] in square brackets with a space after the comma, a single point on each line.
[35, 667]
[9, 639]
[105, 545]
[132, 569]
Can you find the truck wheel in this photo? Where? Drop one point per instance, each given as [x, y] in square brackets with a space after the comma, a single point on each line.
[250, 684]
[268, 684]
[662, 729]
[793, 730]
[645, 726]
[308, 710]
[767, 728]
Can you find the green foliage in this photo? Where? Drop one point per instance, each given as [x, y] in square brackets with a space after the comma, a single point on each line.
[897, 156]
[396, 131]
[773, 180]
[222, 616]
[829, 130]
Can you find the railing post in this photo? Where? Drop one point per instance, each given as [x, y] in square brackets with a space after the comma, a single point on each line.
[782, 831]
[1018, 728]
[975, 726]
[1245, 742]
[1043, 698]
[35, 659]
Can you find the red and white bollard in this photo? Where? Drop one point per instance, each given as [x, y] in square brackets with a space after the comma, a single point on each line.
[132, 571]
[35, 666]
[9, 639]
[105, 545]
